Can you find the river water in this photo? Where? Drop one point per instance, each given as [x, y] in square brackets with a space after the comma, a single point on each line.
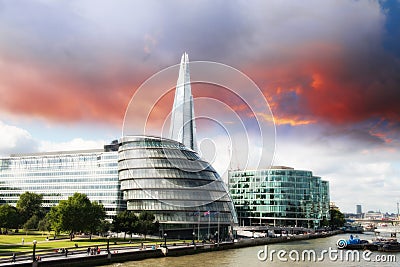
[248, 257]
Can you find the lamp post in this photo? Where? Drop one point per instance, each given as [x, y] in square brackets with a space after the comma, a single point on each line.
[193, 236]
[217, 238]
[34, 250]
[165, 240]
[108, 244]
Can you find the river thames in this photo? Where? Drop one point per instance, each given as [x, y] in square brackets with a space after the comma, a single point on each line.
[293, 255]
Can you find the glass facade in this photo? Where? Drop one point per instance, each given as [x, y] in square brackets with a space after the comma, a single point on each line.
[279, 196]
[184, 192]
[58, 175]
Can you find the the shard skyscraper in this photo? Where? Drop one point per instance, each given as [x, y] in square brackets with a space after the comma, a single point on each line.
[183, 127]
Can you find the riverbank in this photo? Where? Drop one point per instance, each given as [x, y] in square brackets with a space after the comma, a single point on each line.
[122, 254]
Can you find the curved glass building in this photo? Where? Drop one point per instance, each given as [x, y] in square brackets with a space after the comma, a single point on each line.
[185, 193]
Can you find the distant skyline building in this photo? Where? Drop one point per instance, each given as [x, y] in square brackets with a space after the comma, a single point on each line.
[183, 126]
[358, 209]
[279, 196]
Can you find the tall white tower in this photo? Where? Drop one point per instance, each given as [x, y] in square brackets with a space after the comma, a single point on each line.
[183, 127]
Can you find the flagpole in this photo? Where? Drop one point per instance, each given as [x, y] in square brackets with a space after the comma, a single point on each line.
[219, 234]
[198, 228]
[209, 220]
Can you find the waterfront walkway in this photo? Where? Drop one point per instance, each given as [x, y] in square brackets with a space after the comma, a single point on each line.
[80, 257]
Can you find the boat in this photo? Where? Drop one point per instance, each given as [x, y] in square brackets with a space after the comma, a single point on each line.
[352, 243]
[390, 246]
[353, 228]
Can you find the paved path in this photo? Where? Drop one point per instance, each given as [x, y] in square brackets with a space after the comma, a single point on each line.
[75, 254]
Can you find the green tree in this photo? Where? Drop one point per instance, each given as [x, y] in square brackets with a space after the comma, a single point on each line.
[337, 218]
[30, 204]
[54, 219]
[126, 222]
[104, 227]
[8, 217]
[31, 223]
[76, 214]
[96, 216]
[147, 224]
[44, 225]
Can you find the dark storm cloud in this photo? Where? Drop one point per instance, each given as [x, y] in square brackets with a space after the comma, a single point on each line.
[315, 61]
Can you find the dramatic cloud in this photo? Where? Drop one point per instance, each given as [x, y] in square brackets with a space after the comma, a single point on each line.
[77, 61]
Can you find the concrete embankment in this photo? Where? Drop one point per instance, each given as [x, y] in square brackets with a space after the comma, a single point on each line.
[129, 254]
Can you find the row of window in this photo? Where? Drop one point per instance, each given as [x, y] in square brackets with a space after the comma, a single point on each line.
[61, 186]
[222, 218]
[57, 159]
[198, 195]
[151, 144]
[197, 206]
[62, 174]
[158, 153]
[171, 183]
[166, 173]
[270, 172]
[164, 163]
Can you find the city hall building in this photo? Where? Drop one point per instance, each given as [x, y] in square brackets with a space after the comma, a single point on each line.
[279, 196]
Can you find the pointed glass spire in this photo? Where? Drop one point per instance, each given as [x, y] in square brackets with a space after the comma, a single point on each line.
[183, 127]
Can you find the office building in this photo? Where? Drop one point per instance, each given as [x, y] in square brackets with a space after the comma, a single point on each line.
[58, 175]
[358, 209]
[183, 125]
[279, 196]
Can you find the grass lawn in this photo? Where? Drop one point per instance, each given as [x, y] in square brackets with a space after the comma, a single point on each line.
[13, 242]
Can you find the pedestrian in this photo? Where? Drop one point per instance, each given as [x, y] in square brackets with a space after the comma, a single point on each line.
[88, 250]
[22, 241]
[13, 257]
[98, 250]
[66, 252]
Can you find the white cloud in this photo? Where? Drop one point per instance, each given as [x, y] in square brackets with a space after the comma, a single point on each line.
[74, 144]
[18, 140]
[15, 140]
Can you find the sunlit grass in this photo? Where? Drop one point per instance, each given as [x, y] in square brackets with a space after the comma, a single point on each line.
[13, 242]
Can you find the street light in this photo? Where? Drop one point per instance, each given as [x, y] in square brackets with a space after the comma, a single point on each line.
[108, 244]
[165, 240]
[34, 250]
[217, 238]
[193, 236]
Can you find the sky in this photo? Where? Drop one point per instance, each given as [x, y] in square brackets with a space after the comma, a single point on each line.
[328, 69]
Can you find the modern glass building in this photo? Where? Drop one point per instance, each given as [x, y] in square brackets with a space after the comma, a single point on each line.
[279, 196]
[185, 193]
[58, 175]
